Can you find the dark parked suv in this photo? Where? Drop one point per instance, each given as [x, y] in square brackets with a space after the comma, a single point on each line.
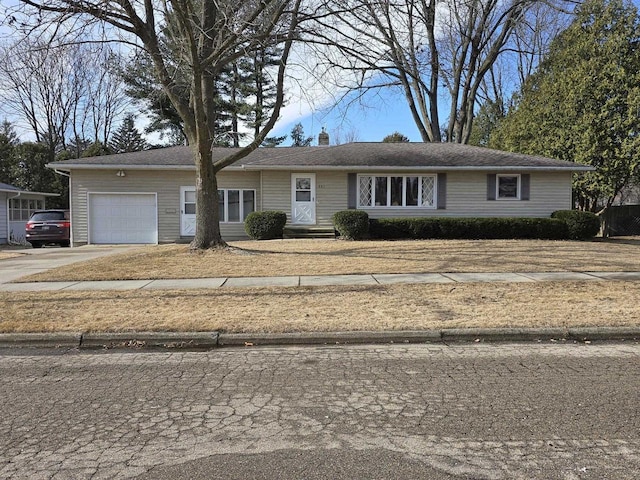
[48, 226]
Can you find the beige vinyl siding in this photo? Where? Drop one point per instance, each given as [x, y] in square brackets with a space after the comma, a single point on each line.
[165, 183]
[276, 191]
[467, 197]
[3, 218]
[331, 196]
[331, 193]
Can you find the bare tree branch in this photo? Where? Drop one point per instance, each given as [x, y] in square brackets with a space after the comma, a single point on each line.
[422, 45]
[205, 36]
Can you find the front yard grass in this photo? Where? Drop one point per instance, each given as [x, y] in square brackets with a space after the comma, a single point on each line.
[322, 257]
[389, 307]
[339, 308]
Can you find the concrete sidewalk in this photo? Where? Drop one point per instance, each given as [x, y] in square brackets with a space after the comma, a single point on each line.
[318, 280]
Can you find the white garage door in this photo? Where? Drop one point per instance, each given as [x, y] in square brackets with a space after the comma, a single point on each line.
[123, 218]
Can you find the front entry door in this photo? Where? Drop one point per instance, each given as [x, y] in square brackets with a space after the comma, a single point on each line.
[187, 211]
[303, 198]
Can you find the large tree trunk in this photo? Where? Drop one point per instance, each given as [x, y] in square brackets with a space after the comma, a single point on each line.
[207, 213]
[204, 38]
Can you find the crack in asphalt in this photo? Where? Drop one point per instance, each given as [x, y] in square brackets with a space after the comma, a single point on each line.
[469, 411]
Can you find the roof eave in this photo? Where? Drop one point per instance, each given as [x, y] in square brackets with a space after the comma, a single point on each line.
[581, 168]
[27, 192]
[79, 166]
[490, 168]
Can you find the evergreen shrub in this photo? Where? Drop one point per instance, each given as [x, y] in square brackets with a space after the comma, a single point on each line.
[351, 224]
[265, 225]
[581, 225]
[467, 228]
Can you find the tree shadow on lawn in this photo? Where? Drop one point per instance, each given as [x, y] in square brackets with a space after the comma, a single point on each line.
[459, 258]
[620, 240]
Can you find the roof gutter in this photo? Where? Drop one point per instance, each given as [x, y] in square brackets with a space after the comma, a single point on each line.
[351, 168]
[80, 166]
[581, 168]
[20, 192]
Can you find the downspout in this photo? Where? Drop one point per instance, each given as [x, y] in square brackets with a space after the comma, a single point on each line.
[68, 175]
[261, 192]
[8, 225]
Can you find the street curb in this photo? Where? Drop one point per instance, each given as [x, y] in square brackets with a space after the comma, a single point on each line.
[210, 340]
[503, 334]
[458, 335]
[40, 340]
[167, 340]
[325, 338]
[604, 333]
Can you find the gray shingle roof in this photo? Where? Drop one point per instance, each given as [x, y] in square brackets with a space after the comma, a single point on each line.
[5, 187]
[350, 155]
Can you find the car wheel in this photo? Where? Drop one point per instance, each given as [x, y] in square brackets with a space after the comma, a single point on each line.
[64, 244]
[36, 244]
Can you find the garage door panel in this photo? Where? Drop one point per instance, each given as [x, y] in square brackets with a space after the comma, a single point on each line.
[122, 218]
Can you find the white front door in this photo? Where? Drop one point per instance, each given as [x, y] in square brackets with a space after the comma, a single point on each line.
[303, 198]
[187, 211]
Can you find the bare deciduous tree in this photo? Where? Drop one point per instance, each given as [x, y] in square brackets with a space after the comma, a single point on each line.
[39, 89]
[107, 103]
[207, 35]
[64, 93]
[422, 46]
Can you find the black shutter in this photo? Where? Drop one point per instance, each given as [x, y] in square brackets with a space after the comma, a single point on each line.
[442, 191]
[352, 190]
[525, 186]
[491, 186]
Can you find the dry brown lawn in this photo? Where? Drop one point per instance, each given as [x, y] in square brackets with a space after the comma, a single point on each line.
[396, 307]
[8, 254]
[344, 308]
[318, 257]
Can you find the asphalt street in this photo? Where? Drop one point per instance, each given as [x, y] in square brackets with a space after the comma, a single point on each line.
[466, 411]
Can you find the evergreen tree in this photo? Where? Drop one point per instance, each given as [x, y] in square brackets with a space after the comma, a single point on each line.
[127, 138]
[245, 94]
[270, 142]
[144, 88]
[97, 149]
[259, 86]
[31, 173]
[583, 102]
[297, 136]
[75, 149]
[486, 122]
[395, 137]
[8, 142]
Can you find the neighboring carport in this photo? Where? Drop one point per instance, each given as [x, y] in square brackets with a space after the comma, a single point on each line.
[16, 206]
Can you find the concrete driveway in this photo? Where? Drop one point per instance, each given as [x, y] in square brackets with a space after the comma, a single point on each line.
[31, 260]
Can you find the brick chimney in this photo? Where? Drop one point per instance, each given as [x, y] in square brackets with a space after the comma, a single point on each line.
[323, 138]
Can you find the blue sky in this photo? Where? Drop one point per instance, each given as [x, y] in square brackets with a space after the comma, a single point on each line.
[377, 115]
[373, 117]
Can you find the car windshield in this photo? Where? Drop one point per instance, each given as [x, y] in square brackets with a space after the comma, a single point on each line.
[44, 216]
